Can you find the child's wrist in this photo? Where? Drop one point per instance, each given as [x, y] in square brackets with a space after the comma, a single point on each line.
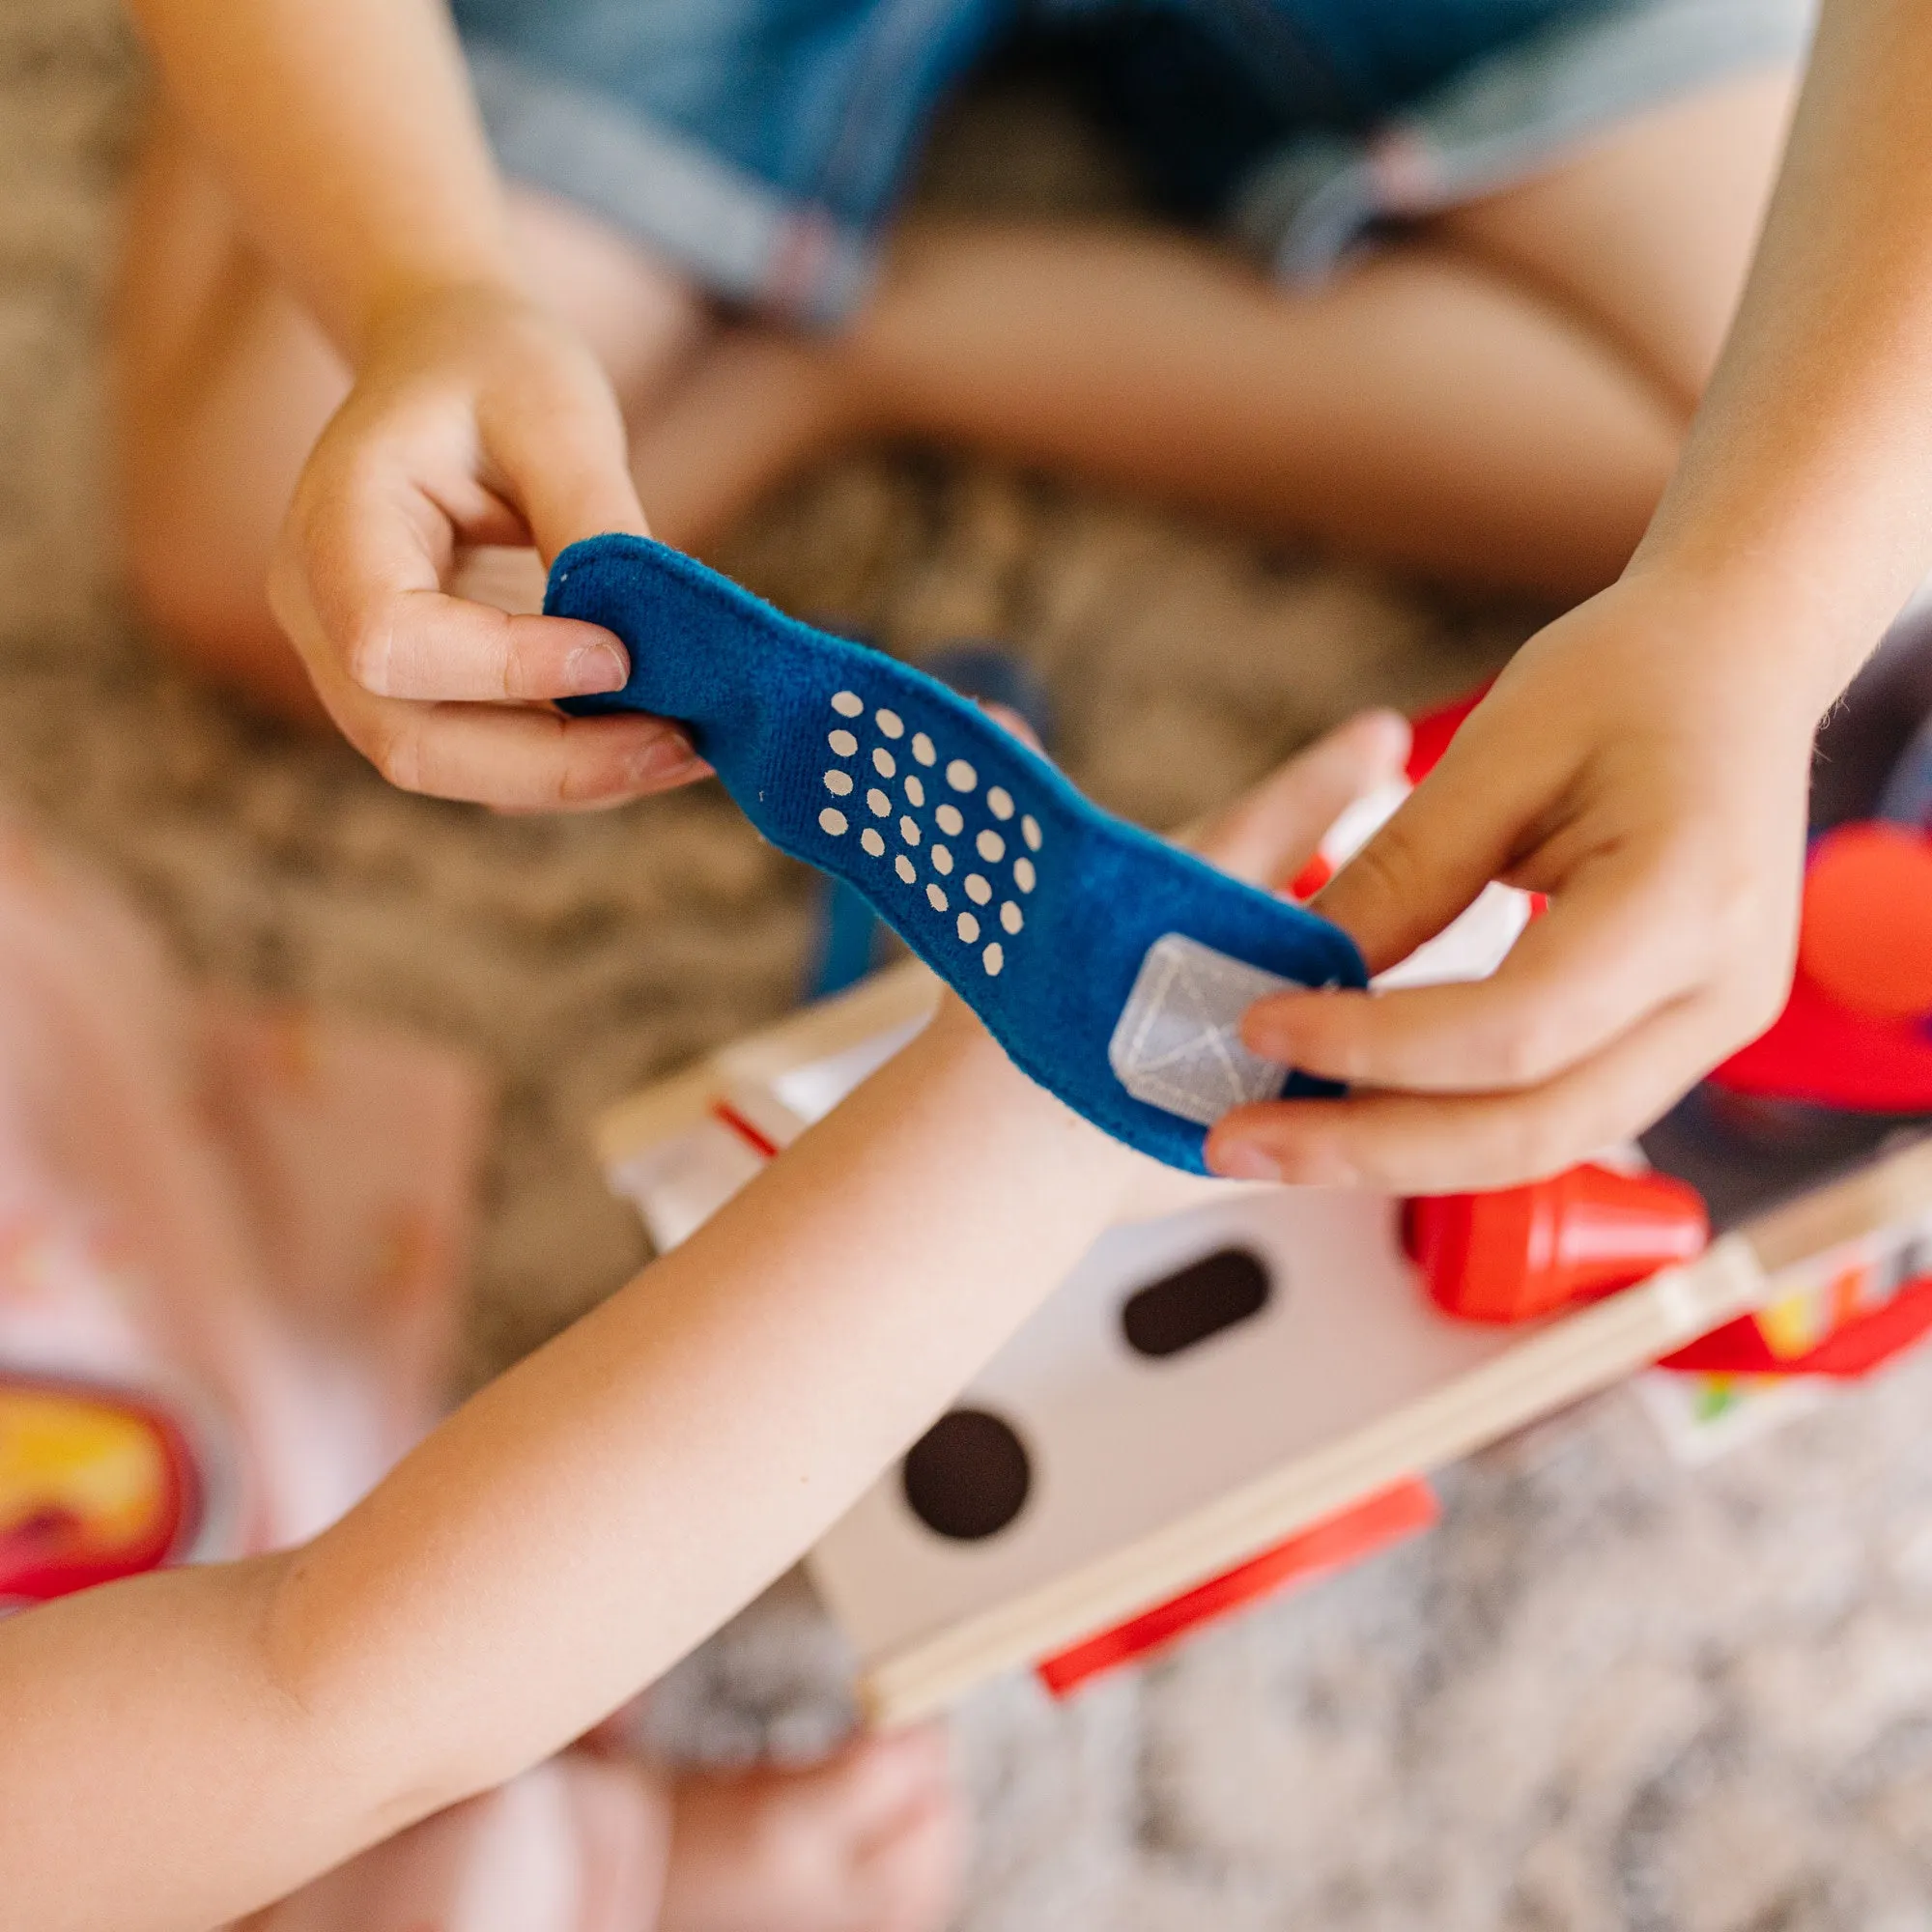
[1791, 630]
[421, 294]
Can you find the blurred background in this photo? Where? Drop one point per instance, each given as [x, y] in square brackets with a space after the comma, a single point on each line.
[1607, 1692]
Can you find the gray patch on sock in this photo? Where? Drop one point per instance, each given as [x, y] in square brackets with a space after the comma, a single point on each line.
[1178, 1044]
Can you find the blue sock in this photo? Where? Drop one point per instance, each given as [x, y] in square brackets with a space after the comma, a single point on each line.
[1113, 967]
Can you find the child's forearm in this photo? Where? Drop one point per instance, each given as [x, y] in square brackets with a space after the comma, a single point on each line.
[565, 1536]
[349, 133]
[724, 1411]
[1802, 495]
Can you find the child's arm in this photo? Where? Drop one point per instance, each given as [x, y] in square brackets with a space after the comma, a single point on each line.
[348, 132]
[176, 1750]
[181, 1749]
[1645, 760]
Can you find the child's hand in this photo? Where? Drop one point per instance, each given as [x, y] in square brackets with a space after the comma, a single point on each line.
[1644, 764]
[477, 418]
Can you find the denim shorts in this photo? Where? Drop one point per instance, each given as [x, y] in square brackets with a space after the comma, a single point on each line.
[761, 145]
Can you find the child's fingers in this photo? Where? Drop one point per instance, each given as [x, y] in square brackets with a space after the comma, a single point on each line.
[359, 585]
[565, 466]
[1619, 942]
[1269, 833]
[1421, 1144]
[518, 759]
[427, 644]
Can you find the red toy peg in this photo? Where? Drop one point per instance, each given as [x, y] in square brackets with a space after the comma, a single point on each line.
[1524, 1252]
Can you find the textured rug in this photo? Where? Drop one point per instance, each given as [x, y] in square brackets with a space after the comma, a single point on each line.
[1605, 1693]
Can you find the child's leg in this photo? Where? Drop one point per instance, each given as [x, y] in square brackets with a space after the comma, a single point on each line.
[1420, 408]
[1498, 401]
[1647, 237]
[869, 1842]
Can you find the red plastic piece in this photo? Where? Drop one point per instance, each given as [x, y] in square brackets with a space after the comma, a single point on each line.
[1866, 940]
[1817, 1051]
[1309, 880]
[1860, 1346]
[1523, 1251]
[1434, 729]
[1855, 1031]
[1341, 1539]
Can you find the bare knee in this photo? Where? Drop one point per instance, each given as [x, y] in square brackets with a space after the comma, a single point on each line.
[219, 387]
[206, 466]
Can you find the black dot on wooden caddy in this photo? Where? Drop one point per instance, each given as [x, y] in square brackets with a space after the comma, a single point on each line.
[1183, 1309]
[968, 1476]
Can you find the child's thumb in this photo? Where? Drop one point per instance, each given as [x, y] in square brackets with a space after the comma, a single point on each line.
[570, 473]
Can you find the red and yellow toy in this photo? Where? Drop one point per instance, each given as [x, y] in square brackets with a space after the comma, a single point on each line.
[94, 1486]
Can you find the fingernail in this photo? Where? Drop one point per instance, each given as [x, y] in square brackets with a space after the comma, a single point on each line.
[666, 757]
[1317, 1167]
[1244, 1160]
[593, 667]
[1262, 1034]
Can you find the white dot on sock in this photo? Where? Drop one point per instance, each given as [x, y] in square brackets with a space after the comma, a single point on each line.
[1000, 802]
[902, 866]
[843, 743]
[883, 762]
[942, 859]
[909, 830]
[992, 847]
[831, 820]
[922, 748]
[915, 791]
[847, 703]
[1022, 874]
[1011, 917]
[871, 841]
[881, 805]
[969, 928]
[977, 889]
[838, 782]
[1030, 831]
[961, 776]
[950, 820]
[937, 899]
[994, 959]
[891, 724]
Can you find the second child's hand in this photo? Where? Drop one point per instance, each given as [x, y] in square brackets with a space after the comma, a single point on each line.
[1645, 763]
[477, 419]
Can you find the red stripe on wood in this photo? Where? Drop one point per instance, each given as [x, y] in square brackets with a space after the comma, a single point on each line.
[1333, 1543]
[1863, 1343]
[723, 1110]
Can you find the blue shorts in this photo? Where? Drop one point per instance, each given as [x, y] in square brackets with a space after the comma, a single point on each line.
[761, 143]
